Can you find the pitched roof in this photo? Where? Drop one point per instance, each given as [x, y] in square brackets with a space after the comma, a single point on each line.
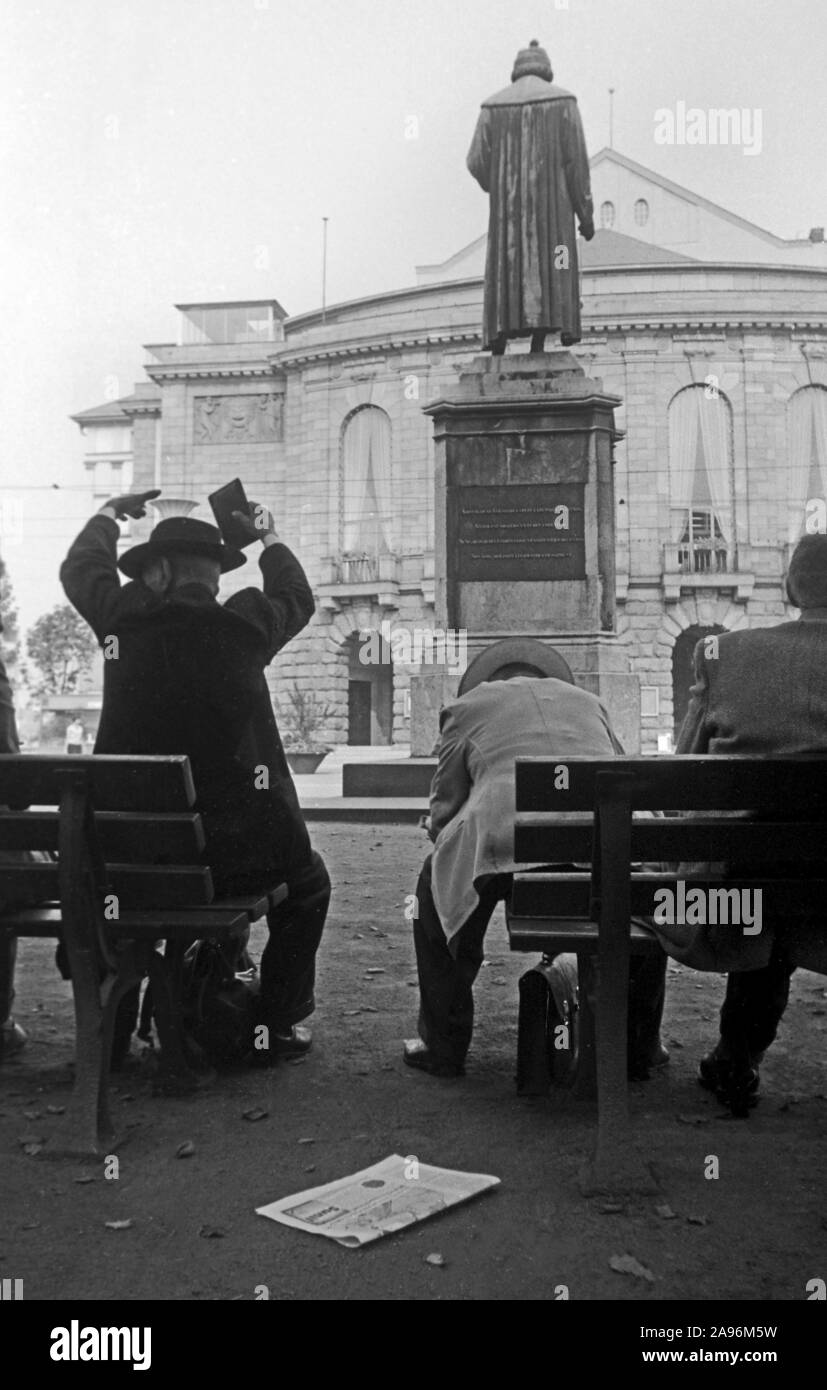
[680, 191]
[111, 412]
[610, 248]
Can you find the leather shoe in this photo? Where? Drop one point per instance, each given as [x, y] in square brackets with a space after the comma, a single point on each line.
[736, 1086]
[417, 1054]
[641, 1069]
[293, 1044]
[13, 1039]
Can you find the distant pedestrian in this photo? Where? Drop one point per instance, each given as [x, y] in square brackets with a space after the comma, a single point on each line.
[74, 737]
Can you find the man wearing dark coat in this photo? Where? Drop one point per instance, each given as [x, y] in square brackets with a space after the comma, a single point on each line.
[185, 674]
[529, 155]
[761, 691]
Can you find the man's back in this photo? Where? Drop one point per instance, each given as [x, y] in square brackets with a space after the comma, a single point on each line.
[472, 797]
[762, 690]
[184, 681]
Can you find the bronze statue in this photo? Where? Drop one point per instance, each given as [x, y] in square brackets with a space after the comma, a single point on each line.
[529, 155]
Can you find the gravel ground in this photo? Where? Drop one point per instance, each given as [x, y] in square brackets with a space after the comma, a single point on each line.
[757, 1231]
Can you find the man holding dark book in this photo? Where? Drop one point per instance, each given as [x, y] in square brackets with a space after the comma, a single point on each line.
[184, 673]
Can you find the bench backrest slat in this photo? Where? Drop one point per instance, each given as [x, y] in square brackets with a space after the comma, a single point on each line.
[136, 886]
[124, 836]
[116, 783]
[544, 838]
[785, 786]
[569, 895]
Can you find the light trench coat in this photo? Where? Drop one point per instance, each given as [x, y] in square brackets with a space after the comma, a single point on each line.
[472, 794]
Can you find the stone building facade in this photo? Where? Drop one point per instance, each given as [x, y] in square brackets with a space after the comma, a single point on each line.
[721, 366]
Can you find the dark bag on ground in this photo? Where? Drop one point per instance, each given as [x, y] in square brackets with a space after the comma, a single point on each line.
[219, 1009]
[548, 1029]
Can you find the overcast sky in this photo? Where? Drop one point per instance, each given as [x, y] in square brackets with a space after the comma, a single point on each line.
[160, 151]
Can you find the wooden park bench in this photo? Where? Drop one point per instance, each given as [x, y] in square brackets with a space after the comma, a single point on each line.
[581, 811]
[128, 827]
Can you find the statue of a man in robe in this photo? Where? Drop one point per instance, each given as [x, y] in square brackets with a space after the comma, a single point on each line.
[529, 155]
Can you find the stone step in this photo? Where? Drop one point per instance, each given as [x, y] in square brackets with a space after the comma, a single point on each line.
[402, 778]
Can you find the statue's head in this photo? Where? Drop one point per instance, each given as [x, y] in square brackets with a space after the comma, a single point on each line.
[532, 62]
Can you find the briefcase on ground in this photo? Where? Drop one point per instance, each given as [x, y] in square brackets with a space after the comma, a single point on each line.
[548, 1029]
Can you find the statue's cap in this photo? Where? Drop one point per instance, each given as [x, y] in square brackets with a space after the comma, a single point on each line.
[532, 61]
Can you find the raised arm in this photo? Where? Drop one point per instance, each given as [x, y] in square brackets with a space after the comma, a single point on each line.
[286, 604]
[89, 574]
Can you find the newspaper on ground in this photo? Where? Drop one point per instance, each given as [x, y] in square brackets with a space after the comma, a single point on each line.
[378, 1201]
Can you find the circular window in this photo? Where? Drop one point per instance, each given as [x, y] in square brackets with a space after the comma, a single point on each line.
[641, 212]
[607, 214]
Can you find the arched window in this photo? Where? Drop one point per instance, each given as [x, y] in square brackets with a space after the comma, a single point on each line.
[641, 212]
[806, 455]
[607, 214]
[366, 513]
[701, 478]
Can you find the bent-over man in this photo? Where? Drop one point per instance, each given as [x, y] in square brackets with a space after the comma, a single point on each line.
[471, 867]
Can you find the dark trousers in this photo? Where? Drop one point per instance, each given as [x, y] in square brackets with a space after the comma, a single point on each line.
[288, 962]
[753, 1006]
[447, 971]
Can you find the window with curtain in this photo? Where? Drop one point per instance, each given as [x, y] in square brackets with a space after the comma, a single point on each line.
[806, 455]
[366, 499]
[701, 478]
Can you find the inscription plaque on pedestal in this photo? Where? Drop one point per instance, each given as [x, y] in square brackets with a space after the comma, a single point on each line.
[522, 531]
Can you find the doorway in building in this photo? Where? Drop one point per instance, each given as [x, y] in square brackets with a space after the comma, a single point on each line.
[369, 696]
[682, 669]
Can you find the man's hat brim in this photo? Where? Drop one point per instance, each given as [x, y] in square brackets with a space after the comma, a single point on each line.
[538, 658]
[133, 561]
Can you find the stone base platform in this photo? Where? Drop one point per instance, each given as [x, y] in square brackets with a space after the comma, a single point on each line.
[400, 779]
[369, 810]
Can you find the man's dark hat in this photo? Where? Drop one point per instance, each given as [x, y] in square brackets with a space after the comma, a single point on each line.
[181, 535]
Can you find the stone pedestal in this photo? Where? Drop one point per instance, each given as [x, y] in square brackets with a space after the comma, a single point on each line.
[432, 688]
[525, 521]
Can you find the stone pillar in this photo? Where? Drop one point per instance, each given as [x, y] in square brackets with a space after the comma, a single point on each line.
[525, 519]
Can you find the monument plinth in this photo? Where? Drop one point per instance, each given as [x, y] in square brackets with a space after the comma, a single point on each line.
[524, 520]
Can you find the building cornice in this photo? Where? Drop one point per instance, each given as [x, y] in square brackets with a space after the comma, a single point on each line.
[367, 347]
[689, 326]
[148, 406]
[215, 371]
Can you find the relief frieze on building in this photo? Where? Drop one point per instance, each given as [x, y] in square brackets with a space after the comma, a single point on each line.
[248, 419]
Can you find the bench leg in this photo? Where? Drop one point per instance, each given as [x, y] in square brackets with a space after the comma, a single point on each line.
[89, 1129]
[617, 1167]
[585, 1086]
